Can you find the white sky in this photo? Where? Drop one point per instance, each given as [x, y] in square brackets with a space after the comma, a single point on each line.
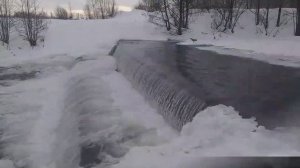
[78, 4]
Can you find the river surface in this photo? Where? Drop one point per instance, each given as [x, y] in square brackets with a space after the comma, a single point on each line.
[268, 91]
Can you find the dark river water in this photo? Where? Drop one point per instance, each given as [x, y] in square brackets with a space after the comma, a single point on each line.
[182, 80]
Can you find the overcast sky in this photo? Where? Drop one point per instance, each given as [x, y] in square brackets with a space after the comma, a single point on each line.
[78, 4]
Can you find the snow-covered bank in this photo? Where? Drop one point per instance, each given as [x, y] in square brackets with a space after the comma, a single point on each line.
[217, 131]
[280, 41]
[89, 37]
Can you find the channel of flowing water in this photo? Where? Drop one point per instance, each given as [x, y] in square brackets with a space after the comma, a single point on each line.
[181, 81]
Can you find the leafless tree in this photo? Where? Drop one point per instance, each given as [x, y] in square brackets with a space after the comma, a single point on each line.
[257, 12]
[61, 13]
[102, 9]
[6, 20]
[264, 17]
[31, 22]
[227, 13]
[70, 11]
[88, 12]
[165, 14]
[280, 5]
[111, 8]
[175, 14]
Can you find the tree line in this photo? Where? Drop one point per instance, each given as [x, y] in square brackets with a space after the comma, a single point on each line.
[31, 22]
[93, 9]
[175, 14]
[26, 17]
[100, 9]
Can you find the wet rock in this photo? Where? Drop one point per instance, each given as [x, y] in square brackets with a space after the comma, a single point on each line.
[89, 155]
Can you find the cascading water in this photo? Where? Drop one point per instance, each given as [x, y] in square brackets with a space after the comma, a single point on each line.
[182, 80]
[165, 88]
[93, 130]
[90, 131]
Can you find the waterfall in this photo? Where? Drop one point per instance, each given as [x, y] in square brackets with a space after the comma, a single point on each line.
[181, 81]
[165, 89]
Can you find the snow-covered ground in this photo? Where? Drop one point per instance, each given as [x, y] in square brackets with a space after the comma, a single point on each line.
[66, 95]
[280, 41]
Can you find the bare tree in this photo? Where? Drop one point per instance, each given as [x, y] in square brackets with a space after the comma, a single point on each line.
[31, 22]
[175, 14]
[70, 11]
[181, 15]
[6, 20]
[165, 14]
[227, 14]
[257, 12]
[149, 5]
[61, 13]
[87, 11]
[110, 8]
[102, 9]
[187, 6]
[264, 17]
[280, 5]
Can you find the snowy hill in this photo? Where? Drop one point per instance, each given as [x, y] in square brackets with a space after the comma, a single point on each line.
[79, 37]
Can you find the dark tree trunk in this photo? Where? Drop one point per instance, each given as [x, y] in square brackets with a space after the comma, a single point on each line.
[231, 5]
[267, 16]
[279, 13]
[187, 12]
[181, 13]
[257, 12]
[298, 19]
[168, 26]
[32, 43]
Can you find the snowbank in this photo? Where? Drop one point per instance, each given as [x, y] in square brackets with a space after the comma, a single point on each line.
[4, 53]
[280, 41]
[89, 37]
[216, 131]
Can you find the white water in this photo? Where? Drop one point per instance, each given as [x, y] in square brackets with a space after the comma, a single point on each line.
[47, 120]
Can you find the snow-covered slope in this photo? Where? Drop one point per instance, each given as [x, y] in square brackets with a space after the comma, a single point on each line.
[78, 37]
[280, 41]
[57, 98]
